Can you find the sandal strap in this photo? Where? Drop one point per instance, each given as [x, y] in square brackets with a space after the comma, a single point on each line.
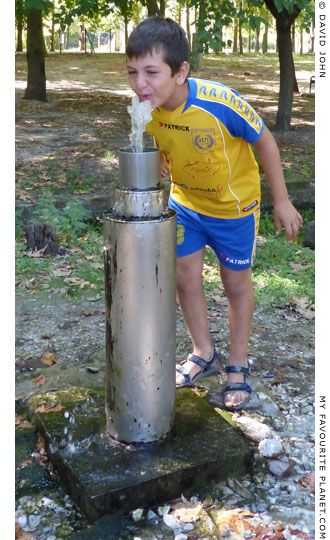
[234, 387]
[238, 369]
[203, 364]
[184, 372]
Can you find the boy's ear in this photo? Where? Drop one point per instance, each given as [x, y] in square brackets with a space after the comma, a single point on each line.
[183, 72]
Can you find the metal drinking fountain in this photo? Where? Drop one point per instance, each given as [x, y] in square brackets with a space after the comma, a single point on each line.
[139, 259]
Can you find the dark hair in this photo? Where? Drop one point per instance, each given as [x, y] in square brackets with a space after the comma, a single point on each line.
[160, 35]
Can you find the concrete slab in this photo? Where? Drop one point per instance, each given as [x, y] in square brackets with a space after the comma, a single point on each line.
[103, 476]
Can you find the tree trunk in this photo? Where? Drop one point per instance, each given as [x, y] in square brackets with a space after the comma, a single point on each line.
[19, 42]
[287, 75]
[240, 40]
[265, 41]
[162, 7]
[249, 43]
[82, 37]
[52, 35]
[36, 82]
[41, 238]
[293, 37]
[312, 34]
[235, 35]
[153, 8]
[67, 37]
[126, 30]
[284, 21]
[188, 22]
[257, 45]
[301, 41]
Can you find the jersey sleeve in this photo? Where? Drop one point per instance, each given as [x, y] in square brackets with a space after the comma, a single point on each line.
[235, 113]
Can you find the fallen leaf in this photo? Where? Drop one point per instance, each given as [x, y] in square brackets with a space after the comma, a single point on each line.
[217, 298]
[41, 379]
[88, 312]
[36, 254]
[235, 519]
[22, 422]
[277, 380]
[47, 335]
[187, 512]
[308, 481]
[22, 535]
[46, 409]
[61, 272]
[48, 358]
[303, 302]
[299, 534]
[298, 266]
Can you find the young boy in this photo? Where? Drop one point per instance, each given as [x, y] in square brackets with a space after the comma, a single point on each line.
[204, 131]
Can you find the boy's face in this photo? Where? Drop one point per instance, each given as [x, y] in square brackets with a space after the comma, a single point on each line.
[151, 79]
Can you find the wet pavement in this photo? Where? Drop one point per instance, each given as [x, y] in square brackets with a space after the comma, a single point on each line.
[60, 345]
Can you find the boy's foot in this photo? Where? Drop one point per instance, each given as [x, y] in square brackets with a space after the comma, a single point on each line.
[194, 369]
[237, 392]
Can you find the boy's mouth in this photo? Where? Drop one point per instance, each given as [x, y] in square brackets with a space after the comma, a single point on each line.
[145, 97]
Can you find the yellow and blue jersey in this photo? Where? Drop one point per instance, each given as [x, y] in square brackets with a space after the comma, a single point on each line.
[205, 143]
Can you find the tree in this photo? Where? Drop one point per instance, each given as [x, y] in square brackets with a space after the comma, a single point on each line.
[35, 49]
[20, 21]
[285, 13]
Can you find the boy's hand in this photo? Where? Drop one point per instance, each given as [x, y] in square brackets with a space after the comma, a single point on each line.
[163, 167]
[285, 215]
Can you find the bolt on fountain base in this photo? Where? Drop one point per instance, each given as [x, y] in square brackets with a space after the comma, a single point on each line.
[103, 476]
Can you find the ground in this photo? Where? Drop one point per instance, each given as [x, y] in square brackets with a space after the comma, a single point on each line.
[67, 148]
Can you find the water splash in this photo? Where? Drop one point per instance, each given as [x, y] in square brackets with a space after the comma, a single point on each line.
[140, 113]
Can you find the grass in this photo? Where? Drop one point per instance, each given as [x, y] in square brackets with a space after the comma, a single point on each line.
[283, 273]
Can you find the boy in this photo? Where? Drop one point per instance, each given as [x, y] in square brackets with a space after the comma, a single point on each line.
[204, 131]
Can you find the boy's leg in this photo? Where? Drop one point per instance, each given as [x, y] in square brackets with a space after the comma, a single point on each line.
[240, 294]
[193, 306]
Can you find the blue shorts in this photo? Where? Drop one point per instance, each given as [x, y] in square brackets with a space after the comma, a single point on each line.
[233, 240]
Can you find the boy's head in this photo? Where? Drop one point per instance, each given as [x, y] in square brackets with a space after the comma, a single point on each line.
[159, 35]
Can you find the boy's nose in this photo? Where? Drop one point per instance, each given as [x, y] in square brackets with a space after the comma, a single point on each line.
[141, 81]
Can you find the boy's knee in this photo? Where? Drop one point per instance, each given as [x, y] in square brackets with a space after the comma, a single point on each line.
[237, 283]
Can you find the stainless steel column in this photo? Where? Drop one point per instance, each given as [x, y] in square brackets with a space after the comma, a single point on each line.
[139, 257]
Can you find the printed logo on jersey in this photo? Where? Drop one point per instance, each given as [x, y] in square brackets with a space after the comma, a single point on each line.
[201, 170]
[203, 140]
[175, 127]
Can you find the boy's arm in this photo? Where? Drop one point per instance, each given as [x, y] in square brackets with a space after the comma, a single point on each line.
[285, 213]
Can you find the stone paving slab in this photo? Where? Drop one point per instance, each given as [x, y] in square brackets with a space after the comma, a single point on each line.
[103, 476]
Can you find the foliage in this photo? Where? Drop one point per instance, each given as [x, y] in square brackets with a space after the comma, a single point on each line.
[69, 223]
[80, 269]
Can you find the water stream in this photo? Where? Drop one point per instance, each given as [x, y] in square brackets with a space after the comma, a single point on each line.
[140, 113]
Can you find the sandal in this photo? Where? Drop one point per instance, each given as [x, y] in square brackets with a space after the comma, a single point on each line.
[208, 368]
[234, 387]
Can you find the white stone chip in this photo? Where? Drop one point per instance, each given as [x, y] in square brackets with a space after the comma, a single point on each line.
[270, 447]
[253, 429]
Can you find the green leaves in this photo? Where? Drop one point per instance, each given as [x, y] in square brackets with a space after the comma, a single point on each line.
[69, 223]
[46, 6]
